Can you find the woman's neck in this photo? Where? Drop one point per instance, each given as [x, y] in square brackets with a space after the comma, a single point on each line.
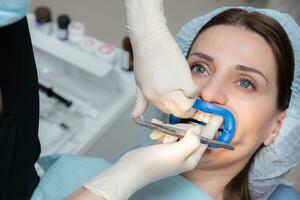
[213, 181]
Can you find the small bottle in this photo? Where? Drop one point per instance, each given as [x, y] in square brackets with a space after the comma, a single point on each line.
[63, 22]
[88, 44]
[127, 47]
[76, 31]
[43, 19]
[106, 52]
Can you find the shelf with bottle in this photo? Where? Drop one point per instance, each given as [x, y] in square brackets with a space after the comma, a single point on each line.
[88, 53]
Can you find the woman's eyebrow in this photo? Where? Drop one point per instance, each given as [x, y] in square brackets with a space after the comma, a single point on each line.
[250, 69]
[202, 55]
[238, 67]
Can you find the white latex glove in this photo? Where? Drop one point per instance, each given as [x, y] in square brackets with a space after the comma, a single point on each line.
[165, 138]
[162, 73]
[142, 166]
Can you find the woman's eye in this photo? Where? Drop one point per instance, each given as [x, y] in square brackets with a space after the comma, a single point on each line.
[245, 83]
[198, 68]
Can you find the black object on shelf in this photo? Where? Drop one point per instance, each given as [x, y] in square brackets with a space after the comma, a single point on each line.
[51, 93]
[63, 22]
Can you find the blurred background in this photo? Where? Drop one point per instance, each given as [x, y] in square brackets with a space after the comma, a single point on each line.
[106, 19]
[88, 113]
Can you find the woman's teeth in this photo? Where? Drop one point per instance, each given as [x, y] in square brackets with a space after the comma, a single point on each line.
[218, 134]
[206, 118]
[222, 126]
[203, 117]
[212, 127]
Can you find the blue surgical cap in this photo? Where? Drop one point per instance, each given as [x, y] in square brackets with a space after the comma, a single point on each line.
[273, 162]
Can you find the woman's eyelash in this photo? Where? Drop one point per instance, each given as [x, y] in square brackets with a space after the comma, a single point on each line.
[198, 68]
[245, 83]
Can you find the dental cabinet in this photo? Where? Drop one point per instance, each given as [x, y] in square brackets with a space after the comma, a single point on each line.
[82, 97]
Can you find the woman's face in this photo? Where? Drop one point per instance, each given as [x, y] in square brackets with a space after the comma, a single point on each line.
[235, 68]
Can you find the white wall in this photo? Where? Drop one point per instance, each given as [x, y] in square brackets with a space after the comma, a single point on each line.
[292, 7]
[105, 19]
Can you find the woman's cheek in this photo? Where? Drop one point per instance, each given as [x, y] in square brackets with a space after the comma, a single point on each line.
[199, 77]
[245, 121]
[196, 81]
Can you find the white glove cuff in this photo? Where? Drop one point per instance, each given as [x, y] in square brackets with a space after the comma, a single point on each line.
[99, 192]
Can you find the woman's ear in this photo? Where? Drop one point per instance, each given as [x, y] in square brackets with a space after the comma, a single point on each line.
[278, 124]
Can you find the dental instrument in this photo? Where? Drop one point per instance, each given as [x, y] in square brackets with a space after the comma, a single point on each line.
[48, 90]
[179, 133]
[229, 121]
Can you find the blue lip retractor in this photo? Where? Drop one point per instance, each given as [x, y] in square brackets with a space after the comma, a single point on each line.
[204, 106]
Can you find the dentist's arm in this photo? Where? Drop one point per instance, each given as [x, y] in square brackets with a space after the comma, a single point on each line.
[145, 165]
[162, 73]
[84, 194]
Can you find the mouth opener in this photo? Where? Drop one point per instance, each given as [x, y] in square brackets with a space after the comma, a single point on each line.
[204, 106]
[179, 133]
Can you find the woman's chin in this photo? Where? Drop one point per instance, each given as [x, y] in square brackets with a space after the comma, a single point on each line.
[218, 157]
[211, 155]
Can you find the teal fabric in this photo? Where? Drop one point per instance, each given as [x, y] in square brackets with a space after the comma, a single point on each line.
[67, 173]
[171, 188]
[12, 11]
[284, 192]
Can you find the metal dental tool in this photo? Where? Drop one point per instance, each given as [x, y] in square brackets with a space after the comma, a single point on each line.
[228, 130]
[179, 133]
[48, 90]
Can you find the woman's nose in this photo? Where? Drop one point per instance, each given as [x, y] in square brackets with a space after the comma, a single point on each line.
[213, 92]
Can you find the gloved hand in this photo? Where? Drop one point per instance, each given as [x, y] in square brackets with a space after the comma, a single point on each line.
[142, 166]
[162, 73]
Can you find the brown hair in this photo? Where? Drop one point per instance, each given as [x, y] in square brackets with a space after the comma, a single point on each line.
[279, 41]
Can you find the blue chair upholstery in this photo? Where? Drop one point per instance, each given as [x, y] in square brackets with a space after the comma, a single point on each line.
[67, 173]
[284, 192]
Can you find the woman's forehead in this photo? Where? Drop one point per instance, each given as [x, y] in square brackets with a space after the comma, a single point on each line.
[234, 44]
